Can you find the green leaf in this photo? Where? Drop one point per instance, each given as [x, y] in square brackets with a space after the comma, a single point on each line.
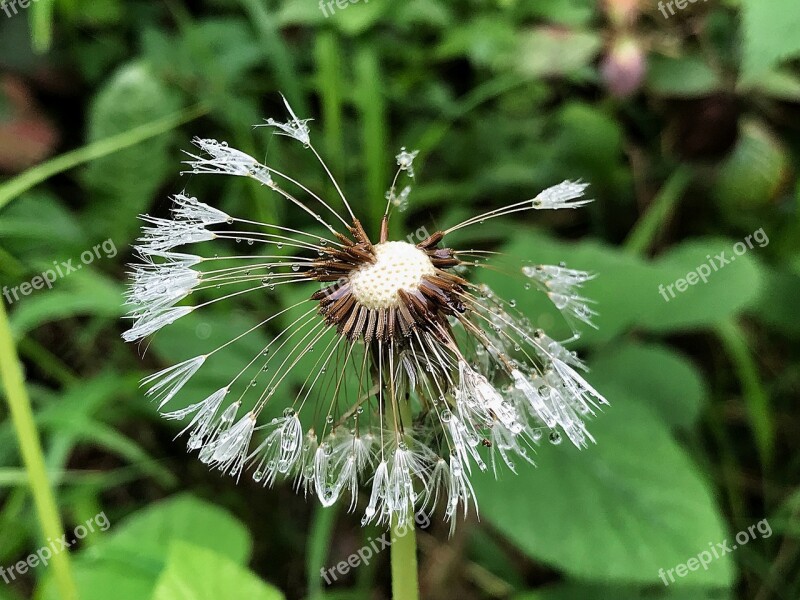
[770, 34]
[755, 172]
[618, 511]
[548, 51]
[582, 591]
[669, 383]
[196, 573]
[127, 563]
[147, 534]
[358, 16]
[123, 184]
[40, 228]
[776, 305]
[566, 12]
[628, 290]
[686, 76]
[81, 293]
[485, 41]
[731, 286]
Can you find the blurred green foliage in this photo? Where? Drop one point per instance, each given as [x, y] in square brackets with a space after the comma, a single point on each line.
[686, 127]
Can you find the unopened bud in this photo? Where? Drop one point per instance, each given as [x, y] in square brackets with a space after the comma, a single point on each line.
[623, 67]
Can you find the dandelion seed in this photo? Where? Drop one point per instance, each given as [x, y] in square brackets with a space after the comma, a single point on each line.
[191, 209]
[294, 127]
[405, 160]
[165, 384]
[165, 234]
[448, 374]
[567, 194]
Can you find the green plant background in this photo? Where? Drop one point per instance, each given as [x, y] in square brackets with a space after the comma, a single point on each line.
[502, 98]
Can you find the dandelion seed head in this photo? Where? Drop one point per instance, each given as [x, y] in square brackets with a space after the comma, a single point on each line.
[450, 378]
[398, 266]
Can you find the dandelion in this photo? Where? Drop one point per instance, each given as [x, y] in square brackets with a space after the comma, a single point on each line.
[398, 376]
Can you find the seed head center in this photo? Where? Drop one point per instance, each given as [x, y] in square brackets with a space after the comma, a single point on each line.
[398, 266]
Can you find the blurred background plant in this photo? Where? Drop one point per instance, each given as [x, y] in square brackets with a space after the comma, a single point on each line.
[687, 126]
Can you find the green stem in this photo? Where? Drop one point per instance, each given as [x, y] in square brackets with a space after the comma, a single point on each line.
[405, 584]
[756, 398]
[32, 456]
[319, 542]
[404, 562]
[646, 229]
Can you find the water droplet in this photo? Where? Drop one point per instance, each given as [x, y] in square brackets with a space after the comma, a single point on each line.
[555, 438]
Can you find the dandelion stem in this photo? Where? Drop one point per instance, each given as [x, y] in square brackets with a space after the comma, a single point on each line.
[404, 561]
[32, 455]
[319, 543]
[646, 229]
[404, 545]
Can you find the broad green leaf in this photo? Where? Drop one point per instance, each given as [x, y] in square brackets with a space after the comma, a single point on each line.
[779, 84]
[732, 281]
[127, 562]
[686, 76]
[567, 12]
[655, 376]
[586, 591]
[630, 292]
[40, 229]
[358, 15]
[770, 34]
[754, 173]
[776, 305]
[485, 41]
[617, 511]
[423, 12]
[123, 184]
[549, 51]
[145, 536]
[197, 573]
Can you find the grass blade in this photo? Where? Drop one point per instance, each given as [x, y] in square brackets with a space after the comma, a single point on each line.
[35, 175]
